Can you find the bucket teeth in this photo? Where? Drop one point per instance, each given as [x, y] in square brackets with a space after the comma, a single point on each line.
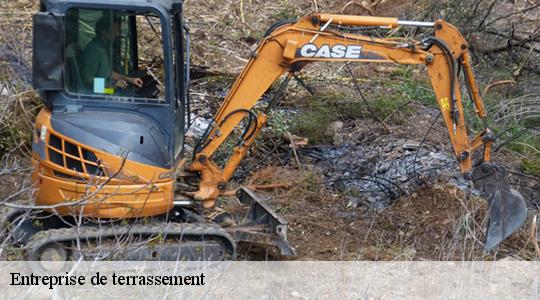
[507, 207]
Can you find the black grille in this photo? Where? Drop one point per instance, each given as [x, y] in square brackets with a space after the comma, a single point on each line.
[55, 142]
[69, 157]
[74, 165]
[56, 157]
[89, 156]
[94, 171]
[71, 149]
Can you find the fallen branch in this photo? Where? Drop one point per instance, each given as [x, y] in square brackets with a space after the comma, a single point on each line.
[533, 236]
[294, 146]
[242, 16]
[497, 83]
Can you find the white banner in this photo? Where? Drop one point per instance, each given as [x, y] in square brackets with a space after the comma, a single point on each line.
[270, 280]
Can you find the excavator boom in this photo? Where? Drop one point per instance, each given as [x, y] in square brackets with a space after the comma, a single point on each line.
[290, 46]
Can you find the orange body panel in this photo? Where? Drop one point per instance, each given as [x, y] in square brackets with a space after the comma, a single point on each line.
[127, 189]
[109, 201]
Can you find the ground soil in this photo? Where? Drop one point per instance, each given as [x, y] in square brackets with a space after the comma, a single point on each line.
[436, 222]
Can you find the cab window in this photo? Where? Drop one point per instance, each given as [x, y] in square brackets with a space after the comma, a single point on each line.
[111, 53]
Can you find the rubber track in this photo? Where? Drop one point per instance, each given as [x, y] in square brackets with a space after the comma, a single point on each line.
[89, 233]
[6, 216]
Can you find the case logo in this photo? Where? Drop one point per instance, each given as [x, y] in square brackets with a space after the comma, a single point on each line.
[327, 51]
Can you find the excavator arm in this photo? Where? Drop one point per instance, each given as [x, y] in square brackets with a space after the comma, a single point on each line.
[290, 46]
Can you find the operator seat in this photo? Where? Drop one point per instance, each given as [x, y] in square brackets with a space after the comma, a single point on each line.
[73, 74]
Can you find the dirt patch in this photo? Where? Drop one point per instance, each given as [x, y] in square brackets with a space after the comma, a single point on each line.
[430, 220]
[437, 222]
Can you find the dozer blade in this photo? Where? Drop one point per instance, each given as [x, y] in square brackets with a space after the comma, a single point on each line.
[507, 208]
[261, 225]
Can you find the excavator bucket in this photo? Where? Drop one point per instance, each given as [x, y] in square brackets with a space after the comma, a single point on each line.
[507, 207]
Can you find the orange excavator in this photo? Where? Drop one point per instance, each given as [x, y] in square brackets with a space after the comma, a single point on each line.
[108, 146]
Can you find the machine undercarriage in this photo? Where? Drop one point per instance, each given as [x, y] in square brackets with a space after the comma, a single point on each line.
[183, 234]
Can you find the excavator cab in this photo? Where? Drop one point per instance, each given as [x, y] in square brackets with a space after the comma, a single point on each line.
[114, 80]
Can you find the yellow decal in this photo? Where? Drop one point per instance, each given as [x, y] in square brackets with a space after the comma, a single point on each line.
[445, 104]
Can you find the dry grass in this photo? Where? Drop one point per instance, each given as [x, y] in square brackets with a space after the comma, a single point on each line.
[18, 103]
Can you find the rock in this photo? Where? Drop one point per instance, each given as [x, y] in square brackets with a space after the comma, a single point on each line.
[198, 127]
[410, 147]
[4, 91]
[354, 201]
[334, 127]
[335, 131]
[383, 169]
[338, 140]
[337, 126]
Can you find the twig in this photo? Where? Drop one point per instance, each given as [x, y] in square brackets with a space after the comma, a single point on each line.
[293, 146]
[497, 83]
[524, 175]
[396, 110]
[533, 236]
[242, 16]
[486, 15]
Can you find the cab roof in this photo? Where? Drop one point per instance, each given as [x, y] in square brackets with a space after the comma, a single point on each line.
[59, 5]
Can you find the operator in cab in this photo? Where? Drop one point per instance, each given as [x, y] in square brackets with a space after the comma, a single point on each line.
[97, 62]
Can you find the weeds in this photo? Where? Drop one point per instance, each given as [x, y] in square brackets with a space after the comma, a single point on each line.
[322, 110]
[412, 89]
[417, 91]
[326, 108]
[531, 166]
[313, 124]
[391, 105]
[279, 122]
[287, 12]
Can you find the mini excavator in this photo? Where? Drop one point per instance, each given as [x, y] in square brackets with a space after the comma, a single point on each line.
[108, 158]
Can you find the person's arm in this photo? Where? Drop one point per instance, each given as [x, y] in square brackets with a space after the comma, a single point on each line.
[133, 80]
